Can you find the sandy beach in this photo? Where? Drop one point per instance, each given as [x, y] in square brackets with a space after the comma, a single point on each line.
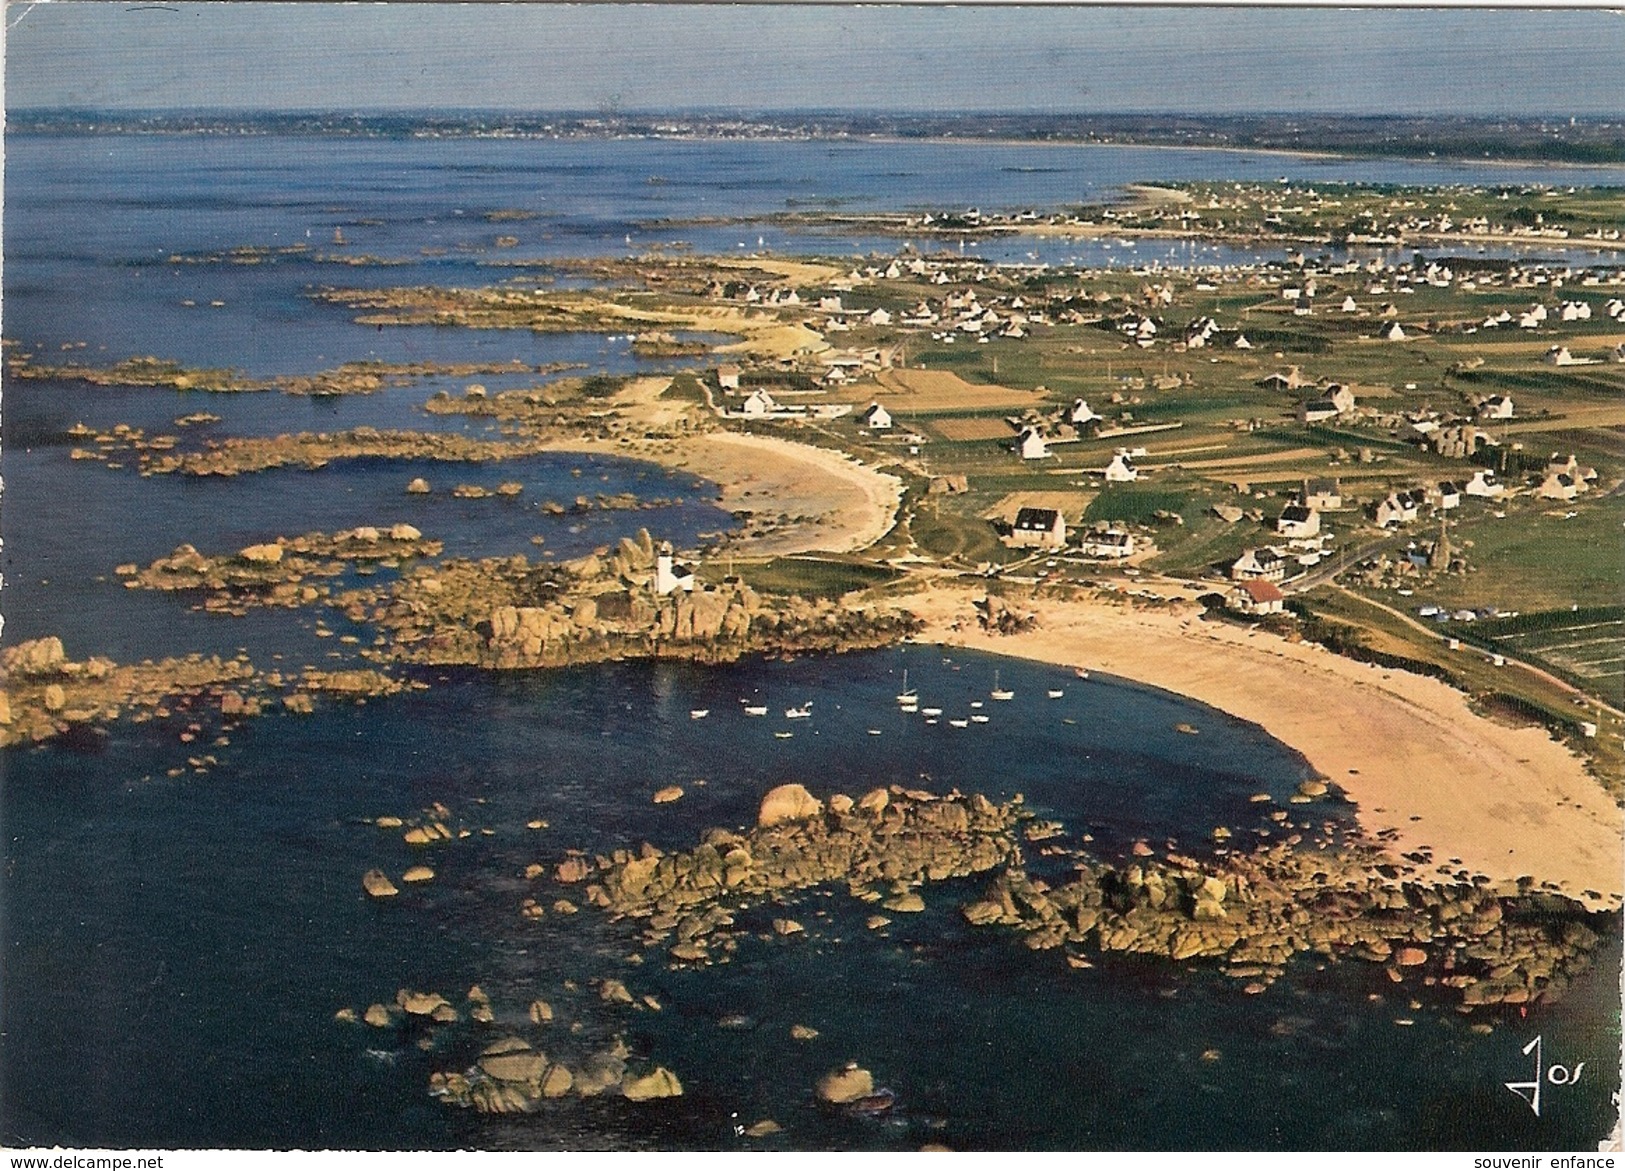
[1494, 800]
[834, 504]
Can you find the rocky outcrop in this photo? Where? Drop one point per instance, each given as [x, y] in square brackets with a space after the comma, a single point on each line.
[789, 802]
[312, 450]
[847, 1084]
[377, 884]
[659, 1082]
[1253, 912]
[910, 838]
[287, 572]
[511, 613]
[47, 694]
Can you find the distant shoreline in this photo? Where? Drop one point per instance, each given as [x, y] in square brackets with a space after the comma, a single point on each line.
[430, 126]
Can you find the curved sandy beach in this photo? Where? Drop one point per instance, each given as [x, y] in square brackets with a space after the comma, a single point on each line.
[834, 504]
[1499, 801]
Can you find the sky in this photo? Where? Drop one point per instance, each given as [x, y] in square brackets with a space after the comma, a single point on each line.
[168, 54]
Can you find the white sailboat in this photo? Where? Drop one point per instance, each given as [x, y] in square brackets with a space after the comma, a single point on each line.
[908, 694]
[699, 713]
[799, 713]
[1000, 692]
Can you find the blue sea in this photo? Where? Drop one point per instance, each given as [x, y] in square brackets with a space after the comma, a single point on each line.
[173, 949]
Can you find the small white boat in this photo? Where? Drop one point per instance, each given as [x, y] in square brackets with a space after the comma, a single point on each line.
[1081, 672]
[1056, 693]
[959, 723]
[976, 703]
[756, 710]
[978, 719]
[931, 720]
[783, 735]
[799, 713]
[1000, 692]
[908, 694]
[874, 731]
[910, 708]
[699, 713]
[931, 711]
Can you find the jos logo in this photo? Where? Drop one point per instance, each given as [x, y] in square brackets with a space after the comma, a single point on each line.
[1543, 1075]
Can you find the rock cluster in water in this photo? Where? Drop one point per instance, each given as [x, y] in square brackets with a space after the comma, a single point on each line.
[281, 572]
[46, 694]
[514, 613]
[1254, 911]
[363, 377]
[889, 840]
[310, 450]
[512, 1074]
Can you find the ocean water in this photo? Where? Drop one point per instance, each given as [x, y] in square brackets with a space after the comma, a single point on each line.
[173, 949]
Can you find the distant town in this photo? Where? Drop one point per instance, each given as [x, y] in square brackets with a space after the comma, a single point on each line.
[1553, 138]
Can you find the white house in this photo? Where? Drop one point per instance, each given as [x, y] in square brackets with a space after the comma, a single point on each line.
[1559, 486]
[728, 377]
[1484, 483]
[672, 576]
[1032, 445]
[1111, 542]
[1255, 597]
[1393, 333]
[879, 317]
[876, 418]
[1445, 495]
[1400, 507]
[1121, 470]
[1498, 406]
[1040, 528]
[1559, 356]
[1298, 520]
[1337, 400]
[758, 405]
[1081, 414]
[1348, 305]
[1258, 565]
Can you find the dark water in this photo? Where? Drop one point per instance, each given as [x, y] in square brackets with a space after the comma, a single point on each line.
[174, 948]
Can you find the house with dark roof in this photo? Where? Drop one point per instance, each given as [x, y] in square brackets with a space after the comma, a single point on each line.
[1322, 493]
[1038, 528]
[1264, 564]
[1298, 520]
[876, 418]
[1112, 543]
